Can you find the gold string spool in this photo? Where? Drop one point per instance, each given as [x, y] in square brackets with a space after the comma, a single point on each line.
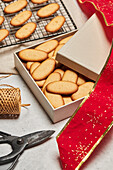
[10, 102]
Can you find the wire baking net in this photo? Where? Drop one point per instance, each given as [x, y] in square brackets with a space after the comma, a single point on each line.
[40, 31]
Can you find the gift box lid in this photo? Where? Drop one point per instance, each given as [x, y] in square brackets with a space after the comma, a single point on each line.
[86, 52]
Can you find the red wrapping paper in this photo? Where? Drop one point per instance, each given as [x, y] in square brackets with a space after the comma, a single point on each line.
[94, 117]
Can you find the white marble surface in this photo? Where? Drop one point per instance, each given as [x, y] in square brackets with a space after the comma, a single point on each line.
[102, 157]
[33, 118]
[46, 155]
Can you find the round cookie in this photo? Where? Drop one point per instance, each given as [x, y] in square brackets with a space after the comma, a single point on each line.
[83, 90]
[81, 80]
[55, 24]
[57, 49]
[62, 87]
[34, 66]
[50, 55]
[15, 6]
[40, 83]
[3, 34]
[58, 70]
[38, 1]
[1, 20]
[65, 40]
[48, 10]
[32, 55]
[20, 18]
[67, 99]
[44, 69]
[28, 65]
[56, 100]
[7, 0]
[52, 77]
[47, 46]
[70, 75]
[26, 30]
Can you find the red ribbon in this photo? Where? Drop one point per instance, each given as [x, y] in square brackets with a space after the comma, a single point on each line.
[89, 125]
[104, 7]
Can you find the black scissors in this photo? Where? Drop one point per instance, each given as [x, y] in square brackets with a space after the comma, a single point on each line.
[19, 144]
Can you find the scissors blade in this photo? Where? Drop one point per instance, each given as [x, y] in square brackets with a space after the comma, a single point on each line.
[4, 134]
[37, 137]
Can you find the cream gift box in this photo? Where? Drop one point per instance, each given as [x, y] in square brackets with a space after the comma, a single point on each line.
[87, 50]
[55, 114]
[68, 109]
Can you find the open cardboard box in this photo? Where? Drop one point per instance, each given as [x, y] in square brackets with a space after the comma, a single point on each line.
[73, 50]
[55, 114]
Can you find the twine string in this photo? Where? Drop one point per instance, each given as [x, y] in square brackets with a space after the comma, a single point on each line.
[6, 85]
[6, 76]
[22, 105]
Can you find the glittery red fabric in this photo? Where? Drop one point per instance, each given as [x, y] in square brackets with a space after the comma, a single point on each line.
[104, 6]
[96, 114]
[89, 123]
[104, 11]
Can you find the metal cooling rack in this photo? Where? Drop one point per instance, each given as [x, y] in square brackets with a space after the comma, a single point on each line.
[40, 31]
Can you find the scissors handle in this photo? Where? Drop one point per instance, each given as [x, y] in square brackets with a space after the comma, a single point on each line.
[18, 144]
[17, 148]
[2, 140]
[14, 163]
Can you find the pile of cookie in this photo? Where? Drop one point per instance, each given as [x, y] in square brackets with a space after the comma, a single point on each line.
[25, 31]
[60, 84]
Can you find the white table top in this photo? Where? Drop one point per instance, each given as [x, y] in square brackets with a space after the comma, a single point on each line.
[46, 156]
[33, 118]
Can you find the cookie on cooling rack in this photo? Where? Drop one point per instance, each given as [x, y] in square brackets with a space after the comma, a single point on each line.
[20, 18]
[38, 1]
[15, 6]
[1, 20]
[26, 30]
[48, 10]
[55, 24]
[3, 34]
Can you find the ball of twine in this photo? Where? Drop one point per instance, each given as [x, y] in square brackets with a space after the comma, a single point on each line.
[10, 102]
